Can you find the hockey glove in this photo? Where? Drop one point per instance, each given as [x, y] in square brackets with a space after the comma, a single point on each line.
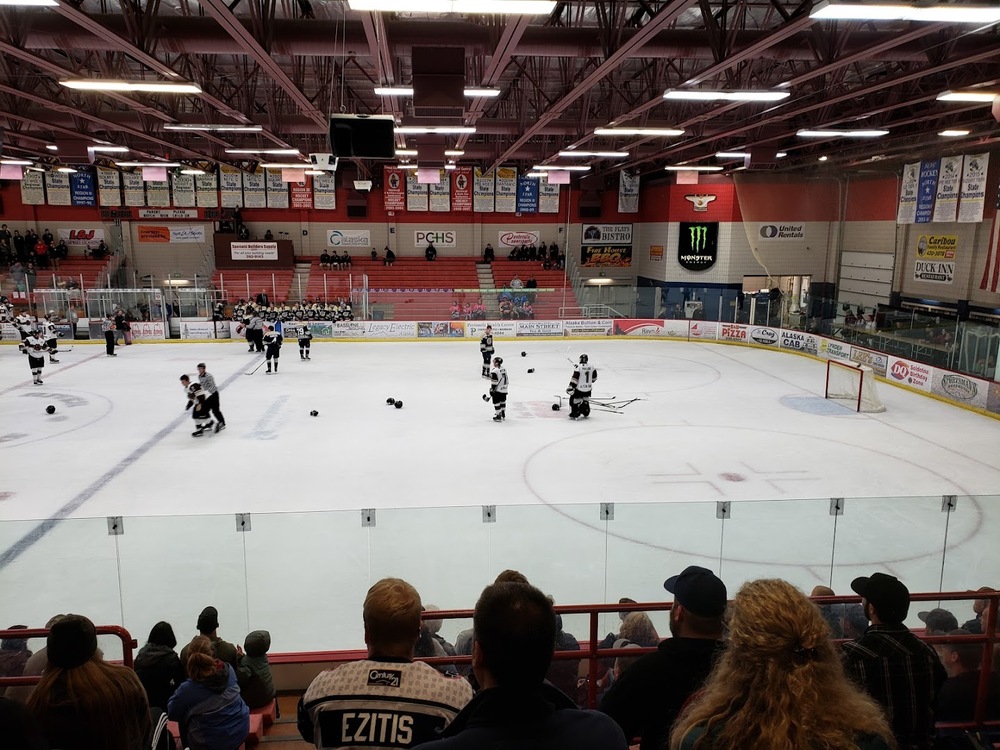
[189, 405]
[570, 390]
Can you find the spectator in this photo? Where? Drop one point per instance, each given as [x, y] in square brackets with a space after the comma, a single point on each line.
[208, 706]
[546, 265]
[254, 671]
[374, 254]
[14, 654]
[20, 729]
[101, 251]
[208, 626]
[650, 695]
[427, 647]
[345, 260]
[122, 326]
[938, 621]
[390, 257]
[962, 663]
[563, 672]
[434, 626]
[779, 683]
[262, 299]
[897, 669]
[33, 666]
[832, 613]
[325, 260]
[454, 310]
[561, 261]
[430, 253]
[506, 309]
[268, 236]
[515, 628]
[158, 666]
[855, 621]
[637, 628]
[516, 283]
[979, 606]
[84, 703]
[386, 700]
[488, 254]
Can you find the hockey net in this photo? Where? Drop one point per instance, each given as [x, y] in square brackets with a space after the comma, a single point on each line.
[852, 385]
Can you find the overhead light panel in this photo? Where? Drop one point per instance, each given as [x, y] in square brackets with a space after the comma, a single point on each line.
[743, 154]
[108, 149]
[30, 3]
[482, 92]
[16, 162]
[985, 97]
[314, 172]
[151, 87]
[832, 10]
[268, 151]
[408, 91]
[406, 152]
[535, 175]
[726, 96]
[52, 147]
[147, 164]
[449, 166]
[953, 133]
[692, 168]
[286, 165]
[406, 166]
[66, 170]
[561, 168]
[828, 133]
[193, 171]
[436, 130]
[823, 158]
[595, 154]
[648, 132]
[215, 127]
[502, 7]
[452, 152]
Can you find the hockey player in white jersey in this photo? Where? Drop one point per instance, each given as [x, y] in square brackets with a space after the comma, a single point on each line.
[486, 349]
[498, 389]
[580, 385]
[24, 326]
[34, 346]
[305, 341]
[198, 403]
[51, 336]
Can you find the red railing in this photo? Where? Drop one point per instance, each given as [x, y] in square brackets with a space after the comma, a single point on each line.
[129, 644]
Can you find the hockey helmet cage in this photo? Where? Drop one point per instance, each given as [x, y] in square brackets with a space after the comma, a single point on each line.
[583, 359]
[498, 361]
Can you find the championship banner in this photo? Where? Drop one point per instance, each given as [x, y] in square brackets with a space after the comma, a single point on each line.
[440, 193]
[698, 245]
[81, 237]
[506, 190]
[82, 189]
[158, 193]
[527, 195]
[548, 198]
[302, 194]
[57, 188]
[325, 191]
[183, 189]
[604, 256]
[416, 193]
[628, 192]
[394, 189]
[277, 189]
[973, 194]
[946, 200]
[230, 186]
[135, 191]
[254, 190]
[484, 194]
[109, 187]
[926, 190]
[461, 190]
[33, 188]
[937, 247]
[907, 211]
[207, 190]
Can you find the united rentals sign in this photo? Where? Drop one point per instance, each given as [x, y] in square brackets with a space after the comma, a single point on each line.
[698, 245]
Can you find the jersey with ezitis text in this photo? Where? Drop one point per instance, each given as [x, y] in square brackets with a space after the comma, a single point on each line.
[379, 704]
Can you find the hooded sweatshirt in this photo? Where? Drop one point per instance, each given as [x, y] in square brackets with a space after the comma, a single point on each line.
[160, 671]
[211, 713]
[254, 673]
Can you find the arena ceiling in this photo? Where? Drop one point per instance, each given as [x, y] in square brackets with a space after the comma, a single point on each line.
[286, 65]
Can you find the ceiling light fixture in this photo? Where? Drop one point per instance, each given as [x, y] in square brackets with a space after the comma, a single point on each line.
[286, 165]
[16, 162]
[66, 170]
[561, 168]
[215, 127]
[452, 152]
[450, 166]
[499, 7]
[314, 172]
[408, 91]
[30, 3]
[823, 158]
[193, 171]
[151, 87]
[595, 154]
[406, 152]
[52, 147]
[406, 166]
[841, 133]
[953, 133]
[652, 132]
[743, 154]
[435, 130]
[830, 10]
[535, 175]
[985, 97]
[482, 92]
[108, 149]
[726, 96]
[147, 164]
[692, 168]
[268, 151]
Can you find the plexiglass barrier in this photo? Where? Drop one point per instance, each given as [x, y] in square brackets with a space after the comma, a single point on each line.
[303, 576]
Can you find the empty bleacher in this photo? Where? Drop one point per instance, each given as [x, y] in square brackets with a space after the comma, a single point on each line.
[233, 285]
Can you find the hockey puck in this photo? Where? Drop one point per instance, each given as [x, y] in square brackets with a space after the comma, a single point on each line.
[314, 413]
[50, 409]
[555, 407]
[398, 404]
[531, 369]
[524, 354]
[390, 401]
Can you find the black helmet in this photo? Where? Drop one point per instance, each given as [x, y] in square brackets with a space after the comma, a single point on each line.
[498, 361]
[583, 359]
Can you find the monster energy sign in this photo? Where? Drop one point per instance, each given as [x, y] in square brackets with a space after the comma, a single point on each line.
[698, 245]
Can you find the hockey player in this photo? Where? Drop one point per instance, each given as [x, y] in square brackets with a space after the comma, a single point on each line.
[305, 341]
[108, 328]
[34, 346]
[272, 342]
[24, 326]
[198, 401]
[208, 385]
[486, 349]
[584, 375]
[255, 332]
[498, 389]
[51, 336]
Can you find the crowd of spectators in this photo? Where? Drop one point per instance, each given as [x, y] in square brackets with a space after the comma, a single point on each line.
[761, 672]
[515, 302]
[335, 261]
[310, 309]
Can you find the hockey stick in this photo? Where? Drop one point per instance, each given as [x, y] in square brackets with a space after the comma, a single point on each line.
[256, 368]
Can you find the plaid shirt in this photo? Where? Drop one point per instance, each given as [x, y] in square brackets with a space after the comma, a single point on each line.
[903, 674]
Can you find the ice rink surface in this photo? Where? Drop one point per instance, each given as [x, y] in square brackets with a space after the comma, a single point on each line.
[713, 423]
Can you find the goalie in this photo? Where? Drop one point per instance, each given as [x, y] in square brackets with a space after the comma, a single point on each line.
[580, 385]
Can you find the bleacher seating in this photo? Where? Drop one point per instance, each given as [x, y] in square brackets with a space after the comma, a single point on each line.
[76, 267]
[233, 284]
[546, 304]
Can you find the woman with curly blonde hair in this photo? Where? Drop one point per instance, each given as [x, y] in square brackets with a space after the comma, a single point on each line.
[780, 684]
[637, 628]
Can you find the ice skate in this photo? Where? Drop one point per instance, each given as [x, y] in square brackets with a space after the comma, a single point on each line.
[498, 418]
[220, 426]
[53, 360]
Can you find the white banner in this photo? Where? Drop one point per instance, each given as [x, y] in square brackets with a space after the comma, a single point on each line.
[197, 329]
[207, 190]
[437, 237]
[934, 271]
[33, 188]
[508, 238]
[57, 189]
[484, 190]
[501, 328]
[254, 193]
[109, 187]
[539, 328]
[440, 193]
[253, 250]
[416, 193]
[506, 190]
[183, 187]
[230, 186]
[348, 238]
[607, 234]
[158, 193]
[89, 237]
[277, 189]
[628, 192]
[946, 201]
[970, 210]
[907, 211]
[134, 190]
[548, 198]
[325, 191]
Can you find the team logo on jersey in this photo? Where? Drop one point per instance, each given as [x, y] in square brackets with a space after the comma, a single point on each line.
[697, 245]
[700, 202]
[385, 677]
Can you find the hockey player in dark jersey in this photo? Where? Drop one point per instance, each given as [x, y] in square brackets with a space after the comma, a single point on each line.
[198, 403]
[580, 385]
[498, 389]
[272, 344]
[305, 341]
[486, 349]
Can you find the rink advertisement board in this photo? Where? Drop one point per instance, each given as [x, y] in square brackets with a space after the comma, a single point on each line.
[960, 388]
[876, 360]
[528, 328]
[197, 329]
[441, 329]
[703, 329]
[832, 349]
[253, 250]
[799, 341]
[390, 329]
[476, 329]
[149, 330]
[763, 336]
[913, 374]
[587, 327]
[734, 332]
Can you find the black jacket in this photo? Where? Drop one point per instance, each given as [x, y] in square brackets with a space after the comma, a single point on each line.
[160, 672]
